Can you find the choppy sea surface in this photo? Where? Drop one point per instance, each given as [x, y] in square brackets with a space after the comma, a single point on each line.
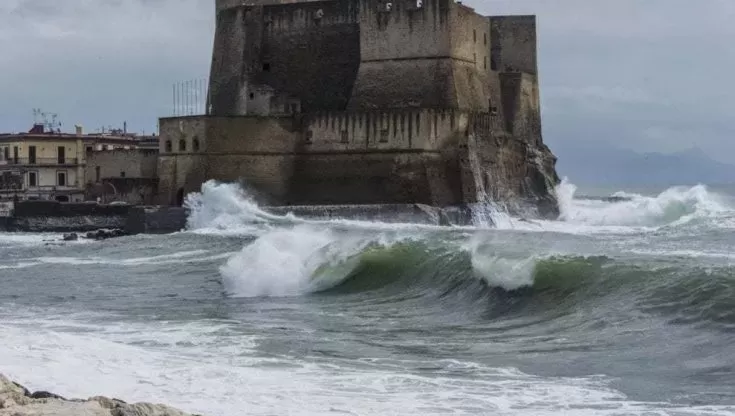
[622, 307]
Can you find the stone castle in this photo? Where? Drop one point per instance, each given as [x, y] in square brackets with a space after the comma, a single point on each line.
[366, 102]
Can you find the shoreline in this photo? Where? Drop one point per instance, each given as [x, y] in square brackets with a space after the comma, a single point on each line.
[17, 400]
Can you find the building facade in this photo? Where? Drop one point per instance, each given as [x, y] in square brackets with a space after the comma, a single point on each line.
[366, 101]
[125, 175]
[50, 166]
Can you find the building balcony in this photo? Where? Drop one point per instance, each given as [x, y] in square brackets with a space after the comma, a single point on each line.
[41, 161]
[40, 189]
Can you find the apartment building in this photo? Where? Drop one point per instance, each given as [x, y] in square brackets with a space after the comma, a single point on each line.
[41, 165]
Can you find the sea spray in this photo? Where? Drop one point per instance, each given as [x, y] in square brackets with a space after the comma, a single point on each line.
[674, 206]
[501, 267]
[290, 262]
[224, 206]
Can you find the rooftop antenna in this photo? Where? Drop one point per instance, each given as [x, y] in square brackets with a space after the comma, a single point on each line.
[37, 118]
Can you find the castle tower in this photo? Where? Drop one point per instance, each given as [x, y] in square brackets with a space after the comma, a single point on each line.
[277, 57]
[430, 54]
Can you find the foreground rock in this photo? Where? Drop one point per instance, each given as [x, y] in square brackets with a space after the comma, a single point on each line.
[16, 400]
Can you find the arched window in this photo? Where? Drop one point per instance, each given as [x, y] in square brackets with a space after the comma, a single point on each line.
[169, 147]
[182, 145]
[195, 145]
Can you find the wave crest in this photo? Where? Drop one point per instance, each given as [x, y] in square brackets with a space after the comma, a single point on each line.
[674, 206]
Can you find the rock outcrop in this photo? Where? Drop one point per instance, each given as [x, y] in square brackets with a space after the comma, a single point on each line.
[16, 400]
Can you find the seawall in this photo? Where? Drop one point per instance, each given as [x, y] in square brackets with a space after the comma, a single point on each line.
[50, 216]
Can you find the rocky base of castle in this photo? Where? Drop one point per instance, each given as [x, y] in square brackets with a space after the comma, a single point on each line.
[16, 400]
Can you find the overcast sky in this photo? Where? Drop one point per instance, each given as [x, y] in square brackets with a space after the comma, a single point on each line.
[651, 75]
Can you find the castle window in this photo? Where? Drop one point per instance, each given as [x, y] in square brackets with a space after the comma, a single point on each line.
[474, 58]
[122, 174]
[474, 35]
[345, 138]
[252, 96]
[267, 67]
[384, 136]
[484, 35]
[493, 110]
[485, 62]
[169, 147]
[309, 137]
[195, 145]
[182, 145]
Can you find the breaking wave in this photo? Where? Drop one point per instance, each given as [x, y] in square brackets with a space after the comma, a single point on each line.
[674, 206]
[287, 256]
[304, 261]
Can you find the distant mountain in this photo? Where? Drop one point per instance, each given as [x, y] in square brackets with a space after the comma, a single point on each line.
[595, 163]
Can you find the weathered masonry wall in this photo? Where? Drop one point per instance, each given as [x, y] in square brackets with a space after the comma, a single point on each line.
[285, 161]
[250, 149]
[180, 167]
[271, 55]
[425, 130]
[470, 43]
[227, 90]
[310, 51]
[521, 104]
[405, 54]
[517, 172]
[229, 4]
[134, 163]
[514, 46]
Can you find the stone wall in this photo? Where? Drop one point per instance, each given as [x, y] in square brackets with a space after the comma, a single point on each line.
[405, 56]
[398, 130]
[514, 46]
[310, 51]
[521, 105]
[226, 88]
[133, 163]
[517, 173]
[180, 171]
[50, 216]
[229, 4]
[307, 53]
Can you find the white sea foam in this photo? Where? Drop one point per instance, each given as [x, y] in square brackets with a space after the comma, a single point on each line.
[295, 261]
[34, 239]
[192, 256]
[88, 364]
[674, 206]
[225, 209]
[499, 265]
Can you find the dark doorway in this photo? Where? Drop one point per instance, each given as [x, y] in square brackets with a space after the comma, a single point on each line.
[32, 155]
[62, 155]
[180, 197]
